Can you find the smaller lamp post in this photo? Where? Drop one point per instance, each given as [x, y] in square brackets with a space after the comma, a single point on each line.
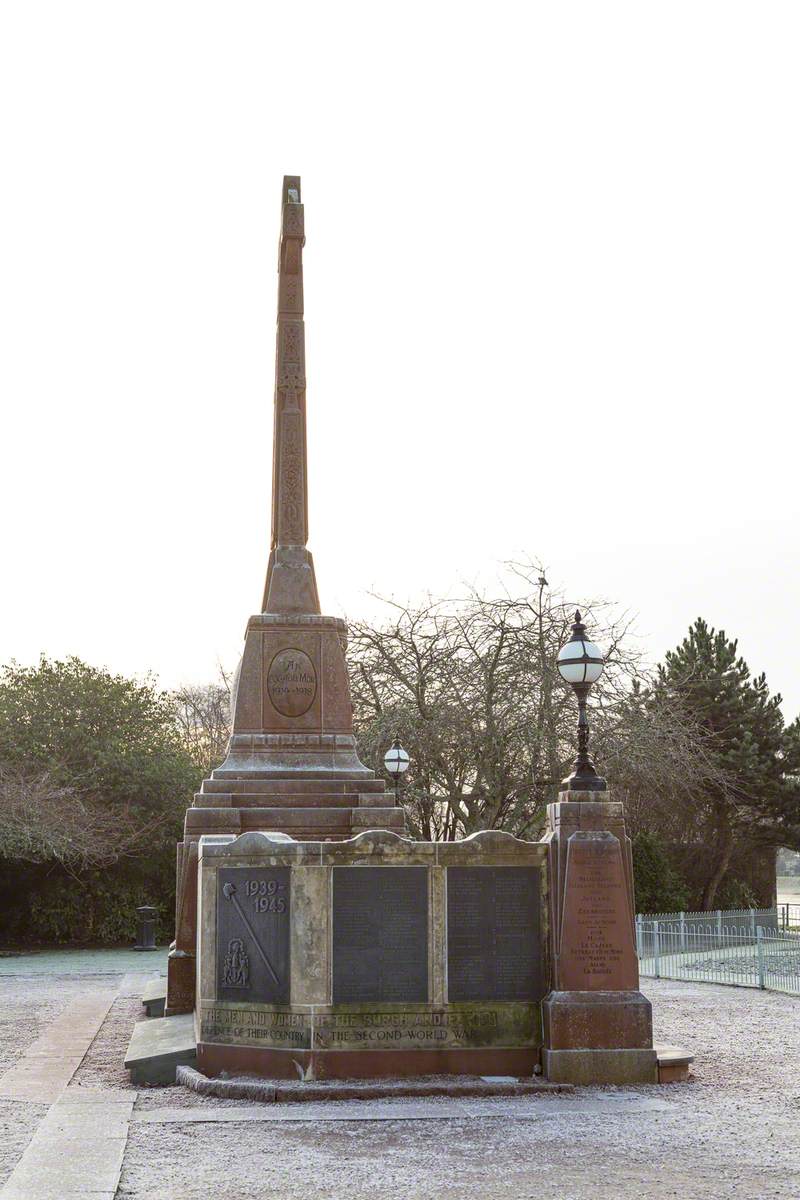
[580, 663]
[396, 763]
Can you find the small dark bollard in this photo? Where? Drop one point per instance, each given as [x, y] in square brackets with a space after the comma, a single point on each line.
[146, 935]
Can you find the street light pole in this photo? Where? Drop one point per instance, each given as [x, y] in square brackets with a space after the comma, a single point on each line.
[580, 663]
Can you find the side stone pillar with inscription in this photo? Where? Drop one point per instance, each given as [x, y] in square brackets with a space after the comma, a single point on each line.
[597, 1024]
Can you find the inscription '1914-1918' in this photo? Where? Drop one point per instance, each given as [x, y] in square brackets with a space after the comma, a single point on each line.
[292, 682]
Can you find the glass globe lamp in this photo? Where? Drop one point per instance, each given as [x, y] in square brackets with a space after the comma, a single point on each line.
[396, 762]
[580, 663]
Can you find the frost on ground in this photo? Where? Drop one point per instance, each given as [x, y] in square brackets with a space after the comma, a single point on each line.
[733, 1131]
[28, 1006]
[17, 1126]
[102, 1065]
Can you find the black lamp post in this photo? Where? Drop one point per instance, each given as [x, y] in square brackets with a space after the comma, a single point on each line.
[396, 763]
[580, 663]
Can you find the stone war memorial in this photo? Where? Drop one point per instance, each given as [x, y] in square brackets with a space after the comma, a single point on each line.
[314, 938]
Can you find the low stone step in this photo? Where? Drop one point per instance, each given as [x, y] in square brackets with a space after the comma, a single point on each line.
[292, 774]
[285, 800]
[253, 782]
[159, 1046]
[673, 1063]
[154, 996]
[287, 820]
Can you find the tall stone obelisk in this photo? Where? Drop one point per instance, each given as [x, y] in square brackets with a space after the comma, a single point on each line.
[291, 764]
[291, 586]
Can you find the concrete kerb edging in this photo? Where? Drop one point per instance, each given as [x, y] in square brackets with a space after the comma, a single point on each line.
[269, 1091]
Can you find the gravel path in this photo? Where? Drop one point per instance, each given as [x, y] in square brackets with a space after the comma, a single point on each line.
[732, 1131]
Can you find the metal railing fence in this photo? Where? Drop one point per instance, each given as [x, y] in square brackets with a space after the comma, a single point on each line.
[760, 951]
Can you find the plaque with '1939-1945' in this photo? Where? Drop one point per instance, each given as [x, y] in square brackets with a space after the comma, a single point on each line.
[380, 934]
[493, 946]
[253, 934]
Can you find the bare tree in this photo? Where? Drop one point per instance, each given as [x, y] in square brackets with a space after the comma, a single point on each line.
[471, 687]
[203, 716]
[41, 821]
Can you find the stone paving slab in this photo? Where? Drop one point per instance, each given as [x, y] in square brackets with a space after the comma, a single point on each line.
[100, 1120]
[76, 1151]
[47, 1066]
[412, 1110]
[79, 1097]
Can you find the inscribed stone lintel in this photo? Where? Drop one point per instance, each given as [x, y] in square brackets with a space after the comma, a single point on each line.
[408, 1027]
[596, 951]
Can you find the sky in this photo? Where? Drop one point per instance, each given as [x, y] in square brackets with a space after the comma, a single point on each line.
[552, 310]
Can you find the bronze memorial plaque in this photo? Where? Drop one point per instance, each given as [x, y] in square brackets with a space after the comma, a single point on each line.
[291, 682]
[380, 934]
[493, 949]
[253, 934]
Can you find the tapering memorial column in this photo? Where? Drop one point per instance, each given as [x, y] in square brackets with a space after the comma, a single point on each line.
[291, 765]
[291, 585]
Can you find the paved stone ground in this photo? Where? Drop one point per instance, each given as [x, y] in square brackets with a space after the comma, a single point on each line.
[734, 1131]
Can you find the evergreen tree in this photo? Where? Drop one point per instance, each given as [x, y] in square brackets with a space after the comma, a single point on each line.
[746, 736]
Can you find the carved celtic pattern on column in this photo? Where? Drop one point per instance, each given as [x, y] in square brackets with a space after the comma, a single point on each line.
[291, 258]
[290, 294]
[291, 507]
[291, 379]
[292, 342]
[293, 222]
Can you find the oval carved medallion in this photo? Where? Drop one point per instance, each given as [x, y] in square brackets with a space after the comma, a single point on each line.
[291, 682]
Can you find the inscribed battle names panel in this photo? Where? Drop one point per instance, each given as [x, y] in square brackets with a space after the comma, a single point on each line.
[380, 934]
[253, 934]
[493, 949]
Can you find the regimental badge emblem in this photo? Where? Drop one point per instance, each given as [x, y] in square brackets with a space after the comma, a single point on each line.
[236, 968]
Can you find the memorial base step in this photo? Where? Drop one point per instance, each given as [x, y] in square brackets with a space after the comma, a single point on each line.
[303, 824]
[159, 1046]
[154, 996]
[292, 800]
[213, 1059]
[599, 1067]
[257, 782]
[296, 1091]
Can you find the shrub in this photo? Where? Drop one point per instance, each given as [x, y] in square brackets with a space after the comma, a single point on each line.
[659, 886]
